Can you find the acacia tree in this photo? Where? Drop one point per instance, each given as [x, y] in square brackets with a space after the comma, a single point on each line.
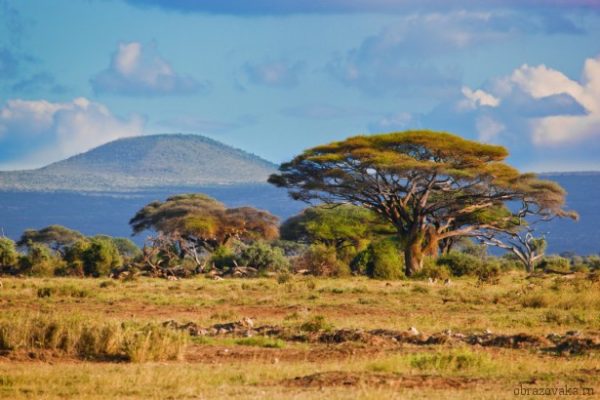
[57, 237]
[189, 224]
[431, 186]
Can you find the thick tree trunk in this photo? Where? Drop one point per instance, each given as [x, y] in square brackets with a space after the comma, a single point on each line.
[413, 256]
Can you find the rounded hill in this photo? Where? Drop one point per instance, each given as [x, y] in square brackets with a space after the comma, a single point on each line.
[146, 162]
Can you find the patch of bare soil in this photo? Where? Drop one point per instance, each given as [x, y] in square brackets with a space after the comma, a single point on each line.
[340, 378]
[211, 354]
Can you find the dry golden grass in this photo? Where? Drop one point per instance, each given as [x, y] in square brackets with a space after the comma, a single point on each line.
[111, 315]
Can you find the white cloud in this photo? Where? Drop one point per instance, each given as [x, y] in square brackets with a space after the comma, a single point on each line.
[58, 130]
[280, 73]
[136, 70]
[543, 103]
[475, 98]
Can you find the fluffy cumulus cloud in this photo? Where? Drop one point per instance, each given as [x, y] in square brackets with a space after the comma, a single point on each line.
[549, 107]
[280, 73]
[286, 7]
[406, 58]
[137, 70]
[52, 131]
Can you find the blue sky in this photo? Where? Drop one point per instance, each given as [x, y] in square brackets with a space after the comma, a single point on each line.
[274, 77]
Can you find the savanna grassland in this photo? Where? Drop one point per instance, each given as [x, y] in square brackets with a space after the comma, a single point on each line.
[298, 337]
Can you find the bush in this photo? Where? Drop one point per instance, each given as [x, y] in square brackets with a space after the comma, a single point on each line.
[555, 264]
[9, 257]
[223, 257]
[316, 324]
[593, 262]
[263, 257]
[488, 271]
[101, 257]
[460, 263]
[39, 261]
[385, 261]
[321, 260]
[432, 270]
[75, 258]
[360, 262]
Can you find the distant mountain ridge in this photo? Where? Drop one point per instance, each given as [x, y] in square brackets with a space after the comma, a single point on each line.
[145, 162]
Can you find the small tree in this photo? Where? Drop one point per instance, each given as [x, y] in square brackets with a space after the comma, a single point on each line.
[39, 261]
[431, 186]
[101, 257]
[56, 237]
[527, 248]
[9, 257]
[195, 223]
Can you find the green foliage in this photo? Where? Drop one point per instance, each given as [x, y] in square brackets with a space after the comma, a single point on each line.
[126, 248]
[204, 221]
[461, 263]
[74, 258]
[321, 260]
[222, 257]
[264, 257]
[555, 264]
[454, 360]
[425, 184]
[101, 257]
[39, 261]
[338, 226]
[261, 341]
[434, 271]
[386, 260]
[360, 262]
[56, 237]
[316, 324]
[9, 257]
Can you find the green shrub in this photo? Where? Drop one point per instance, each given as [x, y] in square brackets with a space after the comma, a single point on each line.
[263, 257]
[386, 260]
[223, 257]
[555, 264]
[316, 324]
[75, 259]
[39, 261]
[432, 270]
[101, 257]
[9, 257]
[488, 271]
[321, 260]
[593, 262]
[460, 263]
[360, 262]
